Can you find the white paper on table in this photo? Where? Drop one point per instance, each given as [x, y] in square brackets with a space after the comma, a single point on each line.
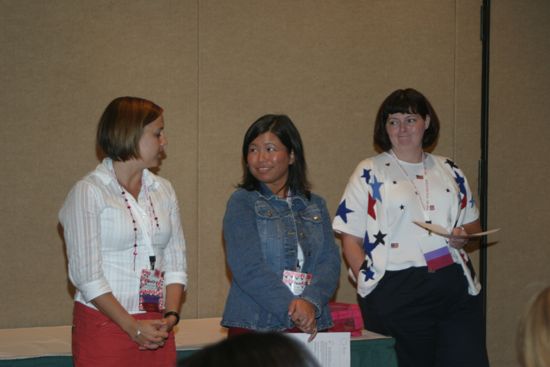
[330, 349]
[441, 231]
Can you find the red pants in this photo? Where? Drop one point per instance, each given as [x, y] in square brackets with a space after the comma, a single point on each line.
[98, 341]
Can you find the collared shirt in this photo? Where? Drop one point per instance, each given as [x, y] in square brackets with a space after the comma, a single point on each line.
[99, 235]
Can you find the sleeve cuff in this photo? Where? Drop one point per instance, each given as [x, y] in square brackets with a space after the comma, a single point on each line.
[351, 275]
[317, 307]
[342, 228]
[94, 289]
[175, 277]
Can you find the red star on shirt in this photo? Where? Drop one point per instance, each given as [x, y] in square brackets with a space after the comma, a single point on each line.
[371, 211]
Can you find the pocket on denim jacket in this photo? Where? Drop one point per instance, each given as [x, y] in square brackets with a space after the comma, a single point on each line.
[271, 232]
[265, 211]
[313, 227]
[312, 214]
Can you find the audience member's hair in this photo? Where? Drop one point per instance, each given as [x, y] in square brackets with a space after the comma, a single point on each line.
[254, 349]
[533, 342]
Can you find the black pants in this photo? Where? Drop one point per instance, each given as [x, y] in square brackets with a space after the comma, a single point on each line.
[434, 321]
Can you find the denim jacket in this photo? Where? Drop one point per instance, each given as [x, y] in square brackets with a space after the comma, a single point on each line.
[261, 233]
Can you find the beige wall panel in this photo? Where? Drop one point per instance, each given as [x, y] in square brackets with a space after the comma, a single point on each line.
[328, 66]
[518, 167]
[465, 143]
[215, 66]
[62, 62]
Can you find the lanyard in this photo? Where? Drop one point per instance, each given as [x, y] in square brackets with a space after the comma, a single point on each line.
[426, 207]
[299, 251]
[137, 220]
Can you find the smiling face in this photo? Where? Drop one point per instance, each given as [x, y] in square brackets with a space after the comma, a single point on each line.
[268, 160]
[406, 131]
[152, 143]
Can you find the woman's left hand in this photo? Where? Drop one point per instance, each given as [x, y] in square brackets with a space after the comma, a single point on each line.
[302, 314]
[151, 334]
[458, 242]
[169, 323]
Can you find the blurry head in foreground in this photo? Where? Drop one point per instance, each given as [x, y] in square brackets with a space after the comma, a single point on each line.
[534, 332]
[254, 349]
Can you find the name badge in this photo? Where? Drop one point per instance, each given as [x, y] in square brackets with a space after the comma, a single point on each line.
[436, 252]
[296, 281]
[151, 285]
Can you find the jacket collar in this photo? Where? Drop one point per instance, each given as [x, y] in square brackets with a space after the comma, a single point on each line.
[265, 192]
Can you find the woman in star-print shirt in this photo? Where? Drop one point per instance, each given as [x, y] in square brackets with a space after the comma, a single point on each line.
[413, 285]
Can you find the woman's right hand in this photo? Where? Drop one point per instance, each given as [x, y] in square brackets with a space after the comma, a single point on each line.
[302, 314]
[150, 334]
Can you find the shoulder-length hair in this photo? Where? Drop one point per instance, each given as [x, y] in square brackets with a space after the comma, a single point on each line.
[405, 101]
[121, 126]
[283, 127]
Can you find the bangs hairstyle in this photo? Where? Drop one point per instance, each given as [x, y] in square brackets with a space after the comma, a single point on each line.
[283, 127]
[121, 126]
[405, 101]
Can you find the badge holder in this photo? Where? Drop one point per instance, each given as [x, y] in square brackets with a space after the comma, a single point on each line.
[151, 285]
[296, 281]
[437, 256]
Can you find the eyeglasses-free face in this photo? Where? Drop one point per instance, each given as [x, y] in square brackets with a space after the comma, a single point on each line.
[406, 130]
[268, 160]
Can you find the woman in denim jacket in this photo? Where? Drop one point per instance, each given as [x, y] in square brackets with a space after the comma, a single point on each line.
[278, 237]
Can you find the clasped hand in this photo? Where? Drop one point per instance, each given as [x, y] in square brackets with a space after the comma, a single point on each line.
[302, 314]
[152, 333]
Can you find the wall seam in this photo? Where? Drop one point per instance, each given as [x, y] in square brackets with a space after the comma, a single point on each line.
[455, 88]
[198, 178]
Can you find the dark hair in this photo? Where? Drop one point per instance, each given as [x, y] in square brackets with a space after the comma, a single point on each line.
[254, 349]
[405, 101]
[283, 127]
[121, 126]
